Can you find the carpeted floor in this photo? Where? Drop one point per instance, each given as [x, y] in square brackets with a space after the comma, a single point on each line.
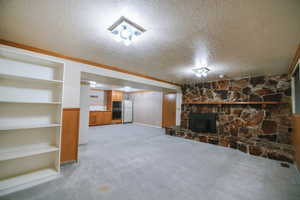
[133, 162]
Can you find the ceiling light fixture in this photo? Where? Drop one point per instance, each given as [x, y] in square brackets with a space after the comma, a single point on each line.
[201, 72]
[125, 30]
[127, 88]
[93, 84]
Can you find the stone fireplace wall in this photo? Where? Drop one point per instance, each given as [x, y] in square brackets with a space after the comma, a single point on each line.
[244, 126]
[272, 122]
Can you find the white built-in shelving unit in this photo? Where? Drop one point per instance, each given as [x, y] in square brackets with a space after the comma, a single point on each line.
[31, 91]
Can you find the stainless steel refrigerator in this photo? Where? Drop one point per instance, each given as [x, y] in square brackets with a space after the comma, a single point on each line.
[127, 114]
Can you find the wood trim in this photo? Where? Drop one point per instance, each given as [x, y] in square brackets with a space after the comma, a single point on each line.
[71, 109]
[140, 91]
[95, 89]
[80, 60]
[236, 103]
[99, 111]
[294, 61]
[116, 121]
[296, 138]
[70, 134]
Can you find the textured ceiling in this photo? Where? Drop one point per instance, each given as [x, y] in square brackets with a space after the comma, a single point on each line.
[232, 37]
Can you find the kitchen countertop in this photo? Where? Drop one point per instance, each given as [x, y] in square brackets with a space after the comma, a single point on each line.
[100, 111]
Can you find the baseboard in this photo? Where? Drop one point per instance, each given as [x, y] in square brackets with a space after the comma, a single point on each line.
[28, 185]
[142, 124]
[68, 162]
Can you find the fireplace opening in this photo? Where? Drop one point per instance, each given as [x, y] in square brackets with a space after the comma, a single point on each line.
[203, 122]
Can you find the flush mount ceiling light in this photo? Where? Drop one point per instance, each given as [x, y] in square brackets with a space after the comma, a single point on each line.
[127, 89]
[201, 72]
[93, 84]
[126, 31]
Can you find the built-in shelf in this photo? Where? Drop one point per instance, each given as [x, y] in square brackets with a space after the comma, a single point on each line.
[32, 102]
[31, 79]
[31, 92]
[16, 127]
[33, 178]
[26, 151]
[235, 103]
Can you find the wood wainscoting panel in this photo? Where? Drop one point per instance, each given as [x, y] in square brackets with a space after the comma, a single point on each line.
[169, 110]
[69, 136]
[296, 139]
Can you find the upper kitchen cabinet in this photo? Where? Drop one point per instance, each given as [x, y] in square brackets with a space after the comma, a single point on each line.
[117, 95]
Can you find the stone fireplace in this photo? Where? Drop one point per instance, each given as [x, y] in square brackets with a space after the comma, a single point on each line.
[261, 130]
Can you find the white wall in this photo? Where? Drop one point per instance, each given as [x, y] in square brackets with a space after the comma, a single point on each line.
[147, 108]
[84, 113]
[100, 100]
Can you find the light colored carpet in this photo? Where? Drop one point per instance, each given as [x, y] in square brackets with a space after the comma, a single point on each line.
[133, 162]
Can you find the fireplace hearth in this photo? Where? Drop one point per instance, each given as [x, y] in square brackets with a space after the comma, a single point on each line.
[203, 122]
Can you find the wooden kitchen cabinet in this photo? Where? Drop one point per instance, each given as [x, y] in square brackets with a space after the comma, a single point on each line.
[107, 117]
[93, 116]
[99, 118]
[117, 95]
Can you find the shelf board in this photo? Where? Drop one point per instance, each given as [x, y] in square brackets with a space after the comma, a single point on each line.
[27, 180]
[236, 103]
[32, 102]
[31, 79]
[26, 151]
[16, 127]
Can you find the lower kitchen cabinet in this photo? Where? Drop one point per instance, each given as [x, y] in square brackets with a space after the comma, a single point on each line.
[99, 118]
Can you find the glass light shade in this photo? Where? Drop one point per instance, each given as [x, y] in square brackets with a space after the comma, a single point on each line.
[127, 42]
[117, 38]
[201, 72]
[126, 31]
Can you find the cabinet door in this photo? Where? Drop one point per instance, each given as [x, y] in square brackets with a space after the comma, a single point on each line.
[109, 100]
[99, 118]
[120, 96]
[114, 96]
[92, 120]
[117, 96]
[107, 117]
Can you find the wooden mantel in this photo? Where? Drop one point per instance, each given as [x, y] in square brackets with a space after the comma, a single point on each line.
[234, 102]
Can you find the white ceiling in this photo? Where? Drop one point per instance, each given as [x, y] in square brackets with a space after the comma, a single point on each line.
[232, 37]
